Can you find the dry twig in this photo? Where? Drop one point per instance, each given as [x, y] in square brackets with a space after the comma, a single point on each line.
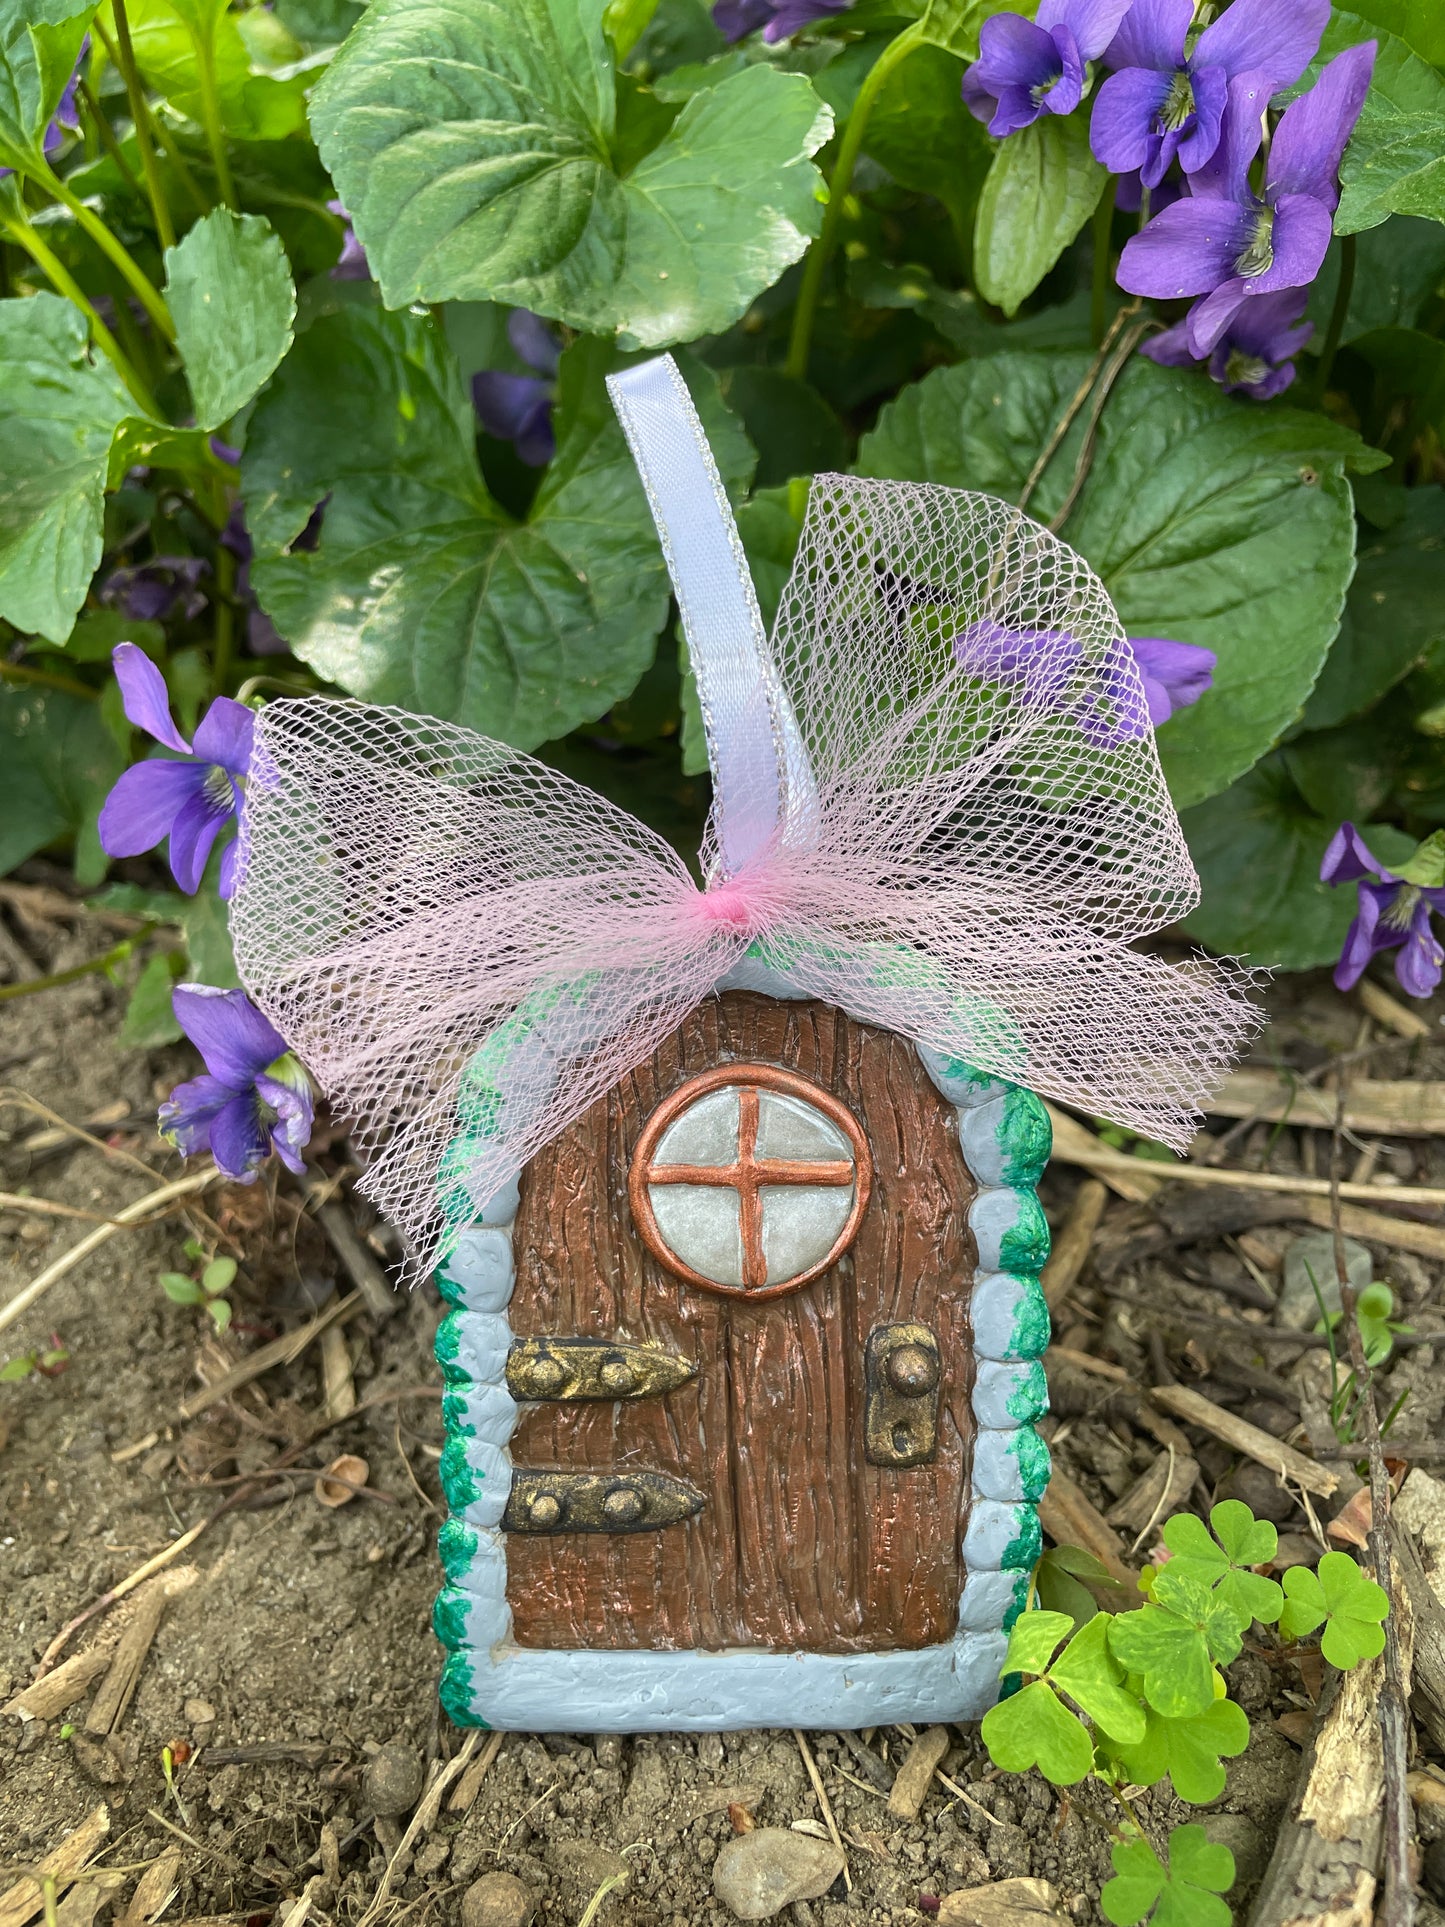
[130, 1215]
[1289, 1466]
[820, 1793]
[1398, 1909]
[1071, 1246]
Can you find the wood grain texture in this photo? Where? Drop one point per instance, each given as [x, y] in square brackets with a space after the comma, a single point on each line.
[801, 1545]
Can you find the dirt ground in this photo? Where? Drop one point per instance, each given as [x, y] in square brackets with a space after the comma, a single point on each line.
[296, 1640]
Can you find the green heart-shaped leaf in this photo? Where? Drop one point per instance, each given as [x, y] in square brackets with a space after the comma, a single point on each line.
[1034, 1728]
[229, 290]
[421, 591]
[1093, 1679]
[1348, 1604]
[482, 149]
[39, 44]
[1188, 1750]
[1240, 1541]
[1034, 1640]
[1185, 1893]
[59, 411]
[1175, 1642]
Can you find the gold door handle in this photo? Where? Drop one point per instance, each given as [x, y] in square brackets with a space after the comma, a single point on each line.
[545, 1502]
[592, 1368]
[902, 1373]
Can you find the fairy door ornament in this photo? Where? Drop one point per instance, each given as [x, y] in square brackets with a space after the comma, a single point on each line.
[731, 1189]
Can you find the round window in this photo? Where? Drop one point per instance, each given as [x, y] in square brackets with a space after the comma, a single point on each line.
[749, 1180]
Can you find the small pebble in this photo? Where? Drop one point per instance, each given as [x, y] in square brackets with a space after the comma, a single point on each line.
[1312, 1257]
[200, 1712]
[757, 1874]
[1245, 1841]
[1296, 1549]
[497, 1900]
[1262, 1492]
[393, 1780]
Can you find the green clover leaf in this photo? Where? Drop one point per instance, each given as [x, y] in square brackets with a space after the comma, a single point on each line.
[1034, 1728]
[1183, 1894]
[1093, 1679]
[1349, 1605]
[1246, 1540]
[1188, 1750]
[1032, 1643]
[1222, 1562]
[1176, 1640]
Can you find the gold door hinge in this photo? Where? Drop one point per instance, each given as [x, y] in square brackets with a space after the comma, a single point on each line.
[598, 1502]
[549, 1368]
[902, 1372]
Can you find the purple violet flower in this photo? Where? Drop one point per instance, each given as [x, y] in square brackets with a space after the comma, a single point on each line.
[1232, 245]
[1047, 667]
[254, 1098]
[351, 263]
[1030, 67]
[1393, 909]
[518, 408]
[1175, 674]
[1165, 98]
[167, 585]
[735, 19]
[1255, 354]
[190, 800]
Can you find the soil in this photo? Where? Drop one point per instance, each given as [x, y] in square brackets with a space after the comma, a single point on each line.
[303, 1633]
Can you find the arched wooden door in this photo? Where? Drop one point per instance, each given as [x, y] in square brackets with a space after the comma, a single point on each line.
[744, 1184]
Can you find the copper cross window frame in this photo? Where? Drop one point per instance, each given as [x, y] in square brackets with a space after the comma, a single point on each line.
[748, 1174]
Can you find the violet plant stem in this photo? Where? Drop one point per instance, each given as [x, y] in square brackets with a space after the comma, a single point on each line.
[1338, 313]
[123, 54]
[205, 51]
[1099, 292]
[119, 255]
[805, 310]
[24, 672]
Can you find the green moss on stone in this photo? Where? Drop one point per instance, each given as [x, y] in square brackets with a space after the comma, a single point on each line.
[457, 1548]
[449, 1617]
[960, 1071]
[1032, 1324]
[454, 1416]
[1016, 1605]
[458, 1690]
[1025, 1138]
[1032, 1453]
[460, 1482]
[1025, 1245]
[1029, 1398]
[447, 1347]
[449, 1289]
[454, 1193]
[1023, 1550]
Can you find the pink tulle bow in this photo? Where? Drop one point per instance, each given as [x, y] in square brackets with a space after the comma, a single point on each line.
[469, 949]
